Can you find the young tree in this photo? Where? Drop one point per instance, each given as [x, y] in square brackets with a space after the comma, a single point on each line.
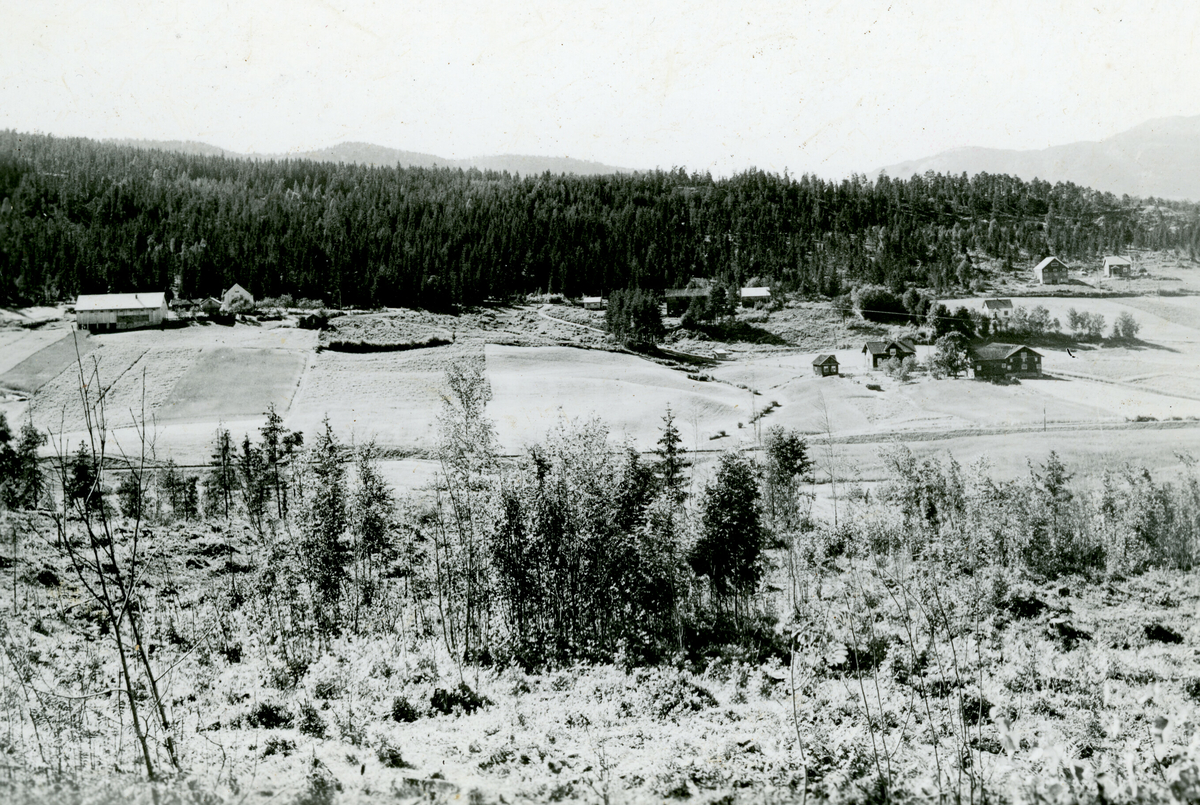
[222, 478]
[1126, 326]
[323, 529]
[22, 482]
[731, 540]
[372, 525]
[949, 356]
[671, 463]
[787, 464]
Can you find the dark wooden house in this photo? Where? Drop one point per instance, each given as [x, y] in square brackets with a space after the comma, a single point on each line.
[825, 365]
[1005, 360]
[879, 352]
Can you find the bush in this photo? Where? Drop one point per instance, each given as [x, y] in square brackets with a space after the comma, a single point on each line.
[269, 716]
[311, 723]
[403, 712]
[390, 757]
[461, 699]
[877, 303]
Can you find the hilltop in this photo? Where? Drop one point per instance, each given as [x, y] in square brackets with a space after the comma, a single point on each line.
[371, 155]
[1159, 158]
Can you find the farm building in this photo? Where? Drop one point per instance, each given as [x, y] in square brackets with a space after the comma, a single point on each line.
[678, 299]
[100, 313]
[1117, 266]
[1051, 271]
[210, 306]
[825, 365]
[592, 302]
[1005, 360]
[237, 298]
[877, 352]
[998, 308]
[753, 296]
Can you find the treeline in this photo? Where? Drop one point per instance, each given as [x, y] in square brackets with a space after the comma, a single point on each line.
[77, 216]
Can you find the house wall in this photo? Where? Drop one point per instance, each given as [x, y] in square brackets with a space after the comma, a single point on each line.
[108, 320]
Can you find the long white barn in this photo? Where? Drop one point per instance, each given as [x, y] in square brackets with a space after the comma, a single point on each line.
[120, 311]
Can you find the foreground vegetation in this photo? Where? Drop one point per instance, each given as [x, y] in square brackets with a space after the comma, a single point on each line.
[589, 622]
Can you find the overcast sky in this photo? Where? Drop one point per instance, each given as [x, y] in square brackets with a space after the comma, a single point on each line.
[823, 87]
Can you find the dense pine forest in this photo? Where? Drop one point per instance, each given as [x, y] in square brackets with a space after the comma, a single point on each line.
[78, 216]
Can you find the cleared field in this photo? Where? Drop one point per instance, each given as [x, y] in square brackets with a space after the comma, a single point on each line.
[225, 383]
[133, 379]
[43, 365]
[18, 344]
[533, 387]
[393, 397]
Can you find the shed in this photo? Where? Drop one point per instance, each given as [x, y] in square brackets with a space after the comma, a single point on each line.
[209, 306]
[237, 298]
[998, 308]
[592, 302]
[825, 365]
[1115, 266]
[877, 352]
[1051, 271]
[678, 299]
[99, 313]
[752, 296]
[1005, 360]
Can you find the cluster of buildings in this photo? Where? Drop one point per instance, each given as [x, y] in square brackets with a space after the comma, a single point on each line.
[990, 361]
[110, 312]
[1053, 271]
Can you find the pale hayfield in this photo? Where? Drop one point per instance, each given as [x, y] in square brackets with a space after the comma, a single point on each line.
[226, 383]
[392, 397]
[45, 364]
[535, 387]
[136, 381]
[17, 344]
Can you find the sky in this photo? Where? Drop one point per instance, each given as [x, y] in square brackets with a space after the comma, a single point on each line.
[830, 88]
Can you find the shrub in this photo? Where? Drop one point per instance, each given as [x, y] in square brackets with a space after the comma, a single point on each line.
[403, 712]
[877, 303]
[461, 699]
[311, 723]
[390, 756]
[269, 716]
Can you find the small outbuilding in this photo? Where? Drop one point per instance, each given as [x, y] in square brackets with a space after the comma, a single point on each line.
[592, 302]
[825, 365]
[1051, 271]
[678, 299]
[237, 298]
[107, 312]
[877, 352]
[1005, 360]
[753, 296]
[1115, 266]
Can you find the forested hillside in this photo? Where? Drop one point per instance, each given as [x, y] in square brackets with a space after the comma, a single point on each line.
[77, 216]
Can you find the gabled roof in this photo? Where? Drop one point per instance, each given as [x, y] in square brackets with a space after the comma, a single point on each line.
[997, 304]
[1115, 260]
[756, 293]
[882, 347]
[1047, 262]
[821, 360]
[238, 289]
[120, 301]
[583, 300]
[1000, 352]
[675, 293]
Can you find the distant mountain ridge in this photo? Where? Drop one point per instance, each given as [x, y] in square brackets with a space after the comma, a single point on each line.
[382, 156]
[1158, 158]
